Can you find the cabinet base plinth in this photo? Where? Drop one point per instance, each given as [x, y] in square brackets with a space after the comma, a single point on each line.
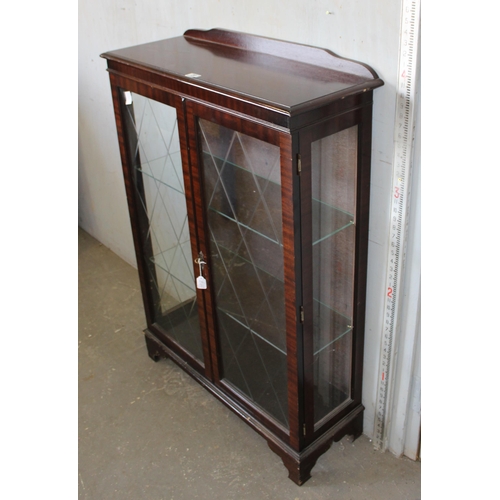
[155, 350]
[354, 428]
[299, 468]
[298, 464]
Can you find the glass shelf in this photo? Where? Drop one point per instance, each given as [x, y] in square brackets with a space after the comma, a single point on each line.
[247, 261]
[327, 219]
[177, 280]
[274, 179]
[166, 170]
[160, 181]
[244, 197]
[250, 295]
[174, 260]
[267, 332]
[329, 327]
[253, 332]
[333, 324]
[181, 323]
[225, 215]
[254, 251]
[247, 243]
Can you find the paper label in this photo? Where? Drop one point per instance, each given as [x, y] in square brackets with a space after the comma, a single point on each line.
[201, 283]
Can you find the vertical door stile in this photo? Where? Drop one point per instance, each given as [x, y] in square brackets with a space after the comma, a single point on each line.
[361, 257]
[306, 273]
[197, 196]
[194, 230]
[290, 188]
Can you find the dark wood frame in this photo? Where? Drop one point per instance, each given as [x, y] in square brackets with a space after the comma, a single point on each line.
[292, 125]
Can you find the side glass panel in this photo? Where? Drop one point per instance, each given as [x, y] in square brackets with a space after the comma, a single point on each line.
[159, 183]
[334, 162]
[242, 195]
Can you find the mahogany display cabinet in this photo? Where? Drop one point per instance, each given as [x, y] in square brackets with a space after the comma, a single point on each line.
[247, 170]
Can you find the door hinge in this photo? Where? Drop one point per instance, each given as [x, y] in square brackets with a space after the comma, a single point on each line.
[302, 314]
[304, 429]
[299, 164]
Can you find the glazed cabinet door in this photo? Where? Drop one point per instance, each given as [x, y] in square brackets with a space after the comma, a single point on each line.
[158, 191]
[239, 189]
[335, 184]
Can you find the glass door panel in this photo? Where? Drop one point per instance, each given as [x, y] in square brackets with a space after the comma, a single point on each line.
[242, 196]
[159, 184]
[334, 163]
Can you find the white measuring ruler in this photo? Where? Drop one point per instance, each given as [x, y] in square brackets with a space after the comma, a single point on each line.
[403, 146]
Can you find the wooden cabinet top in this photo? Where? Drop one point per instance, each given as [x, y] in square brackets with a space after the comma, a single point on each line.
[288, 76]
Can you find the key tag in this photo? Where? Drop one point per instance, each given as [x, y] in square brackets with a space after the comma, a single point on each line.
[201, 283]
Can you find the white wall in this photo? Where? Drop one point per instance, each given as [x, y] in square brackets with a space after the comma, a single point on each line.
[364, 30]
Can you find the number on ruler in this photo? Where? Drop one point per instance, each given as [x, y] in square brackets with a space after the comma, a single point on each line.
[399, 221]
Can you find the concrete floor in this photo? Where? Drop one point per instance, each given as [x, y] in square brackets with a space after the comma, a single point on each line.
[148, 431]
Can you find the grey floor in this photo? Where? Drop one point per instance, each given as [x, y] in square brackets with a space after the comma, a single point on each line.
[148, 431]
